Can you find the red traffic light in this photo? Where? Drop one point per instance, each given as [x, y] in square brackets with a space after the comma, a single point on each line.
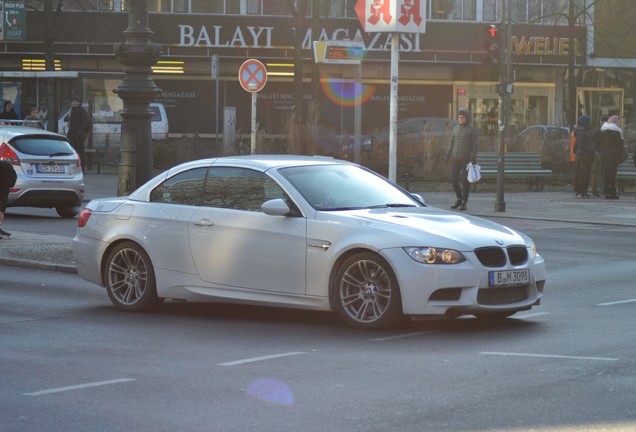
[492, 30]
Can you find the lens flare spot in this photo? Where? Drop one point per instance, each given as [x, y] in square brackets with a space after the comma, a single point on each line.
[271, 390]
[346, 93]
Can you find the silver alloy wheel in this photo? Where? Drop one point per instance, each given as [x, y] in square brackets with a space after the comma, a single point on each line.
[130, 280]
[367, 292]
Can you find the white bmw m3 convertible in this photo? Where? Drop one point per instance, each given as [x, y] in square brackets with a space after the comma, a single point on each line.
[307, 233]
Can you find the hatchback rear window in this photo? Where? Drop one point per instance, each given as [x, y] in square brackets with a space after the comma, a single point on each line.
[42, 146]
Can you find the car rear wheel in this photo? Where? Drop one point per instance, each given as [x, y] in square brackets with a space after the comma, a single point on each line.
[130, 278]
[366, 293]
[67, 212]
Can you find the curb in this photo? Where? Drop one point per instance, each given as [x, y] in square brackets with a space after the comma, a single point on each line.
[31, 264]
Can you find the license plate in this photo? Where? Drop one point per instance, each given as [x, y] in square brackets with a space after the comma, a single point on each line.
[509, 277]
[49, 168]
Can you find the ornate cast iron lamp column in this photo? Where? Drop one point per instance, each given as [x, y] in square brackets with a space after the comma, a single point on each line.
[137, 90]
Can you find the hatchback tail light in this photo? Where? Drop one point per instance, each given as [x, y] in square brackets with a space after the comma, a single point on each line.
[7, 154]
[79, 160]
[85, 214]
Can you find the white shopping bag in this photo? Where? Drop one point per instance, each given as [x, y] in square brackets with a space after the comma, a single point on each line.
[474, 172]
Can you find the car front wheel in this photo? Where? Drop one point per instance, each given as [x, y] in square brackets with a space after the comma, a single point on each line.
[130, 278]
[366, 293]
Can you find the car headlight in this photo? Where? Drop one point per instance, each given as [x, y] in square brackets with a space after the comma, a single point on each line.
[532, 249]
[432, 255]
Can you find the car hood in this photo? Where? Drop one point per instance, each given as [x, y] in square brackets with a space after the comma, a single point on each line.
[434, 227]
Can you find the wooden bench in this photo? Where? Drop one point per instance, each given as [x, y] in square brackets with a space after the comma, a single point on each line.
[626, 173]
[523, 166]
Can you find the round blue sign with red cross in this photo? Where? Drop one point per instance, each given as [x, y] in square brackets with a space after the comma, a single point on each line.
[252, 75]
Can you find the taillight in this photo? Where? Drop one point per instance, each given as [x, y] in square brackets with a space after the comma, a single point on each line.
[85, 214]
[79, 161]
[7, 154]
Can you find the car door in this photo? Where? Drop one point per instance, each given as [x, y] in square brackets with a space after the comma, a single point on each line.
[235, 244]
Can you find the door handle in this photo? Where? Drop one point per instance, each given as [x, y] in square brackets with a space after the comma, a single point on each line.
[204, 222]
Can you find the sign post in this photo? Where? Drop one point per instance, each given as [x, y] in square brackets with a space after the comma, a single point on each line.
[395, 17]
[214, 67]
[349, 53]
[253, 77]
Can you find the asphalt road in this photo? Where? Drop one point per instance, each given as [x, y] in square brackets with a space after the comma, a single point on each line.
[70, 362]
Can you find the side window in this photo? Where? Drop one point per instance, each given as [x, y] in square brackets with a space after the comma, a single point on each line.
[239, 189]
[185, 188]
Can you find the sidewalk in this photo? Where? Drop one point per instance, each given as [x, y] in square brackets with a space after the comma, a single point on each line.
[54, 252]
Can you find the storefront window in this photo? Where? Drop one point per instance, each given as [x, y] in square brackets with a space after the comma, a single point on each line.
[33, 4]
[519, 11]
[332, 9]
[275, 7]
[469, 12]
[179, 5]
[555, 12]
[491, 10]
[159, 5]
[80, 5]
[454, 9]
[207, 6]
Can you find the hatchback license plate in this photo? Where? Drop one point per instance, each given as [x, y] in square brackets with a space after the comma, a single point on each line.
[41, 168]
[509, 277]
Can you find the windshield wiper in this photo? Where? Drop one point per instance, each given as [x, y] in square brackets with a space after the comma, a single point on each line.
[394, 205]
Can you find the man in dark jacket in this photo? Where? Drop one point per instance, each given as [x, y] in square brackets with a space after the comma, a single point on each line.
[597, 167]
[463, 149]
[78, 126]
[585, 150]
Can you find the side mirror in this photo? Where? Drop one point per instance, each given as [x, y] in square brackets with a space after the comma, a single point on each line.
[418, 197]
[276, 207]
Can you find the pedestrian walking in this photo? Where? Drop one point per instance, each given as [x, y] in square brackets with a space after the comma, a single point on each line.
[584, 151]
[597, 167]
[462, 150]
[8, 113]
[612, 153]
[7, 181]
[79, 126]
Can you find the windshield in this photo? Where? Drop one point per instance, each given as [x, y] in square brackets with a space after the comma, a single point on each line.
[346, 187]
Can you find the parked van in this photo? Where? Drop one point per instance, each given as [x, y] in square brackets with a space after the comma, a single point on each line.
[107, 125]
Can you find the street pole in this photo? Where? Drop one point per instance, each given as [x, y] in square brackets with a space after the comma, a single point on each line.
[500, 203]
[393, 107]
[572, 103]
[137, 90]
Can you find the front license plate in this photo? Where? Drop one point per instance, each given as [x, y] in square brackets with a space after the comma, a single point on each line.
[49, 168]
[509, 277]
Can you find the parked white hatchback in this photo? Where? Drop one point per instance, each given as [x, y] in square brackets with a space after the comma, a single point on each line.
[302, 232]
[49, 173]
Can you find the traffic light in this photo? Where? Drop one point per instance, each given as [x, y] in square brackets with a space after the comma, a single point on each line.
[491, 44]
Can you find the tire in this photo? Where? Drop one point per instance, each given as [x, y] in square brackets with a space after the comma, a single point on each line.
[366, 294]
[67, 212]
[130, 279]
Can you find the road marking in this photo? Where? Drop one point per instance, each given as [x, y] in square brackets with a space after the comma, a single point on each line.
[548, 356]
[616, 302]
[77, 387]
[400, 336]
[255, 359]
[530, 315]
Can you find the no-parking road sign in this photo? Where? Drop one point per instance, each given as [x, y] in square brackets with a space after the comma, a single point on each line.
[253, 75]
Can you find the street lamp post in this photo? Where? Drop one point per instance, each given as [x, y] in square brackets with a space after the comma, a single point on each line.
[137, 90]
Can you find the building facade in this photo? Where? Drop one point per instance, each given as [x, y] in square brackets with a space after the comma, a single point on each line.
[447, 67]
